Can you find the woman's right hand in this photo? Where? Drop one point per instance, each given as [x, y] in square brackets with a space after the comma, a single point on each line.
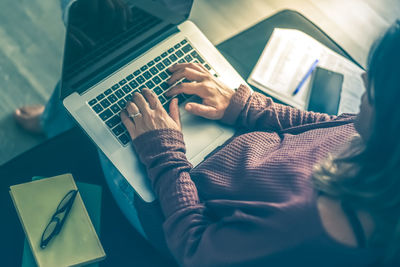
[215, 95]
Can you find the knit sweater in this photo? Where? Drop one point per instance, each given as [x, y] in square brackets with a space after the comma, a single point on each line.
[251, 202]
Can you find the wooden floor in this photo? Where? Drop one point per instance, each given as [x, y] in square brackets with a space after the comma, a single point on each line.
[32, 34]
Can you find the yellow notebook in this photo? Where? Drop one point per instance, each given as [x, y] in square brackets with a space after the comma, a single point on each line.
[77, 243]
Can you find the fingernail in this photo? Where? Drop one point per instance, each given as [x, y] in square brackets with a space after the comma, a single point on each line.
[188, 107]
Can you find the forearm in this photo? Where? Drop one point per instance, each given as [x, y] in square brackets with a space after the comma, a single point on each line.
[259, 112]
[168, 170]
[163, 153]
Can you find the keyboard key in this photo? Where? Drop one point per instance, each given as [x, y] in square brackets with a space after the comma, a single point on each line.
[168, 97]
[119, 93]
[108, 91]
[128, 98]
[127, 88]
[112, 98]
[136, 72]
[177, 45]
[133, 84]
[183, 42]
[98, 108]
[173, 58]
[181, 60]
[164, 86]
[122, 82]
[179, 53]
[150, 84]
[115, 86]
[207, 66]
[105, 103]
[157, 59]
[129, 77]
[160, 66]
[181, 98]
[147, 75]
[118, 130]
[158, 90]
[164, 54]
[113, 121]
[171, 50]
[151, 63]
[163, 75]
[188, 58]
[143, 68]
[93, 101]
[156, 80]
[154, 70]
[187, 48]
[197, 56]
[167, 62]
[162, 99]
[124, 139]
[105, 115]
[100, 97]
[122, 103]
[115, 108]
[140, 79]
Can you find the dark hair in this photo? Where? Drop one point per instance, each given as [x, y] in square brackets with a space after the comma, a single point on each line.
[367, 175]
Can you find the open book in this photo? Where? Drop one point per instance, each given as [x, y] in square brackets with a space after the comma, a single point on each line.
[288, 56]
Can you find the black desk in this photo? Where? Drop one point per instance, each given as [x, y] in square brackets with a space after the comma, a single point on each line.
[74, 153]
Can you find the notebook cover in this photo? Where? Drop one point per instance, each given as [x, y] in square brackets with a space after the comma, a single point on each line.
[91, 196]
[77, 243]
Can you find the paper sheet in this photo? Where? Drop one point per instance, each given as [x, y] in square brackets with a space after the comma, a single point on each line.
[286, 59]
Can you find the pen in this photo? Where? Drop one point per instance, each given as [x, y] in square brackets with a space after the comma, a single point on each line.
[301, 83]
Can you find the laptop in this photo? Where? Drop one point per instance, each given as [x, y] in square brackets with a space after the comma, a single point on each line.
[115, 47]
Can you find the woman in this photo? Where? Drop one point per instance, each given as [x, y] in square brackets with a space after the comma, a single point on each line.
[253, 202]
[260, 200]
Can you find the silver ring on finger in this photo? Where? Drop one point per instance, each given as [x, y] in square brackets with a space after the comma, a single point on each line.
[132, 116]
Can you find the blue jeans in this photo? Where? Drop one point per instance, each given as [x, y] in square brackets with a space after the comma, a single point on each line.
[56, 120]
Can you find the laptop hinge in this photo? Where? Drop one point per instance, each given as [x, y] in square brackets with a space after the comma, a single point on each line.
[124, 58]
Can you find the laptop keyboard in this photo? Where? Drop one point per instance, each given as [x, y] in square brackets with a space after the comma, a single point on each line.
[152, 75]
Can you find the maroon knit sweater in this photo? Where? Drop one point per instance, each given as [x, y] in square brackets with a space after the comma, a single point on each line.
[252, 202]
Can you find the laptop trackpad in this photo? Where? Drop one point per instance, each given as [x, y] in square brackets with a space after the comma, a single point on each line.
[198, 133]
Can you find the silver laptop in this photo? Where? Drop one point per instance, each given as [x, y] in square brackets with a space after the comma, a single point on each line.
[115, 47]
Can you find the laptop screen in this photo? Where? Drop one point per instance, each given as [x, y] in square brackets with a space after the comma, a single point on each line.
[100, 32]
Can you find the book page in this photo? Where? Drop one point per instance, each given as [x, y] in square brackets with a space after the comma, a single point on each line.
[289, 55]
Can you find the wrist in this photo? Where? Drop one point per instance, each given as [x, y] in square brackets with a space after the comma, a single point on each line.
[236, 104]
[156, 142]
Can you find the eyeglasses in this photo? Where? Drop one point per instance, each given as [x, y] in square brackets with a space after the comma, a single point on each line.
[53, 228]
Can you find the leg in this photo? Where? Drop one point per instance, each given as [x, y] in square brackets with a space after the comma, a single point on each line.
[55, 119]
[122, 191]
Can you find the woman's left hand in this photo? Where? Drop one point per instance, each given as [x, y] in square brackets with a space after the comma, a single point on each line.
[145, 113]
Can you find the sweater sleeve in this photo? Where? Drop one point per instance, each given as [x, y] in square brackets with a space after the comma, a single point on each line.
[193, 235]
[258, 112]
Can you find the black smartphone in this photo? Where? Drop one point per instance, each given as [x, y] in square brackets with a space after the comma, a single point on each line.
[326, 87]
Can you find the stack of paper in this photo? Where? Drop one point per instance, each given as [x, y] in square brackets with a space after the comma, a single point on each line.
[286, 59]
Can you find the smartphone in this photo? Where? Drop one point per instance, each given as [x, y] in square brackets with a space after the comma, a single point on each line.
[326, 87]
